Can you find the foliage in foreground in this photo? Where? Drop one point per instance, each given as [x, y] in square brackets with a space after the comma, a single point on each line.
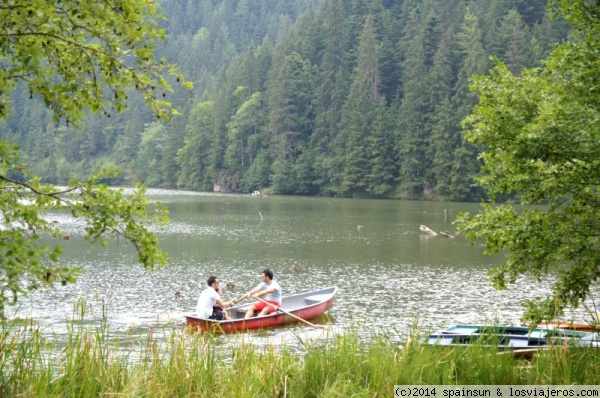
[74, 56]
[27, 214]
[541, 134]
[194, 365]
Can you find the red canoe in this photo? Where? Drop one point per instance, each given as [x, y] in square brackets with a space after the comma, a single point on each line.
[304, 305]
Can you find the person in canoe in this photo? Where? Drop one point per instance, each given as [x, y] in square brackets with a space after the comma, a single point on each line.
[210, 298]
[270, 290]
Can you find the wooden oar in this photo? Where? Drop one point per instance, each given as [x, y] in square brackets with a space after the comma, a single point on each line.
[239, 301]
[290, 314]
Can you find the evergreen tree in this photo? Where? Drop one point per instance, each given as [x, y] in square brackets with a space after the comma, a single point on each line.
[289, 96]
[306, 174]
[465, 165]
[127, 144]
[193, 157]
[173, 140]
[496, 29]
[359, 113]
[446, 135]
[244, 137]
[330, 95]
[550, 31]
[474, 61]
[532, 11]
[225, 104]
[411, 148]
[242, 25]
[380, 150]
[259, 173]
[389, 58]
[516, 36]
[264, 60]
[150, 155]
[304, 38]
[432, 35]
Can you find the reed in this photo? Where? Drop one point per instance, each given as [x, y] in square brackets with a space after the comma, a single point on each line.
[182, 364]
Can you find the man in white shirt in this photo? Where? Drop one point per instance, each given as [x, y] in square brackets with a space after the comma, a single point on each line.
[269, 288]
[209, 298]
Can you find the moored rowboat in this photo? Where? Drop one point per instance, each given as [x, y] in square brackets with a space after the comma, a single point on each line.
[511, 337]
[305, 306]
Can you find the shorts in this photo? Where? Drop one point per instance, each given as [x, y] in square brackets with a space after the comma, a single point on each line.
[273, 305]
[217, 316]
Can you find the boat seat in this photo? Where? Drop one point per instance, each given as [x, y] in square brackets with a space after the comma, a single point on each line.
[317, 298]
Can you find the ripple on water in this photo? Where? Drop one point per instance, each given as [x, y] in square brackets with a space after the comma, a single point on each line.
[389, 277]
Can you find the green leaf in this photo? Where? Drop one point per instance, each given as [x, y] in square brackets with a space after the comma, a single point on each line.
[520, 120]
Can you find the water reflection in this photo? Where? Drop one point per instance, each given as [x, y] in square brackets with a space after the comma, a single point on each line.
[390, 276]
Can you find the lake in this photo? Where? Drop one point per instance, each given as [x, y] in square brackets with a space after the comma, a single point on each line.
[390, 275]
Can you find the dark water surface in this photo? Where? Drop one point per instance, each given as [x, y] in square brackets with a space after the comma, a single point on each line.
[390, 276]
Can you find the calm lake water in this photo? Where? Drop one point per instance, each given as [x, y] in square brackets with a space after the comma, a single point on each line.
[390, 276]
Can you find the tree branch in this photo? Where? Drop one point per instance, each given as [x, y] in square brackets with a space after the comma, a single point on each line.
[53, 195]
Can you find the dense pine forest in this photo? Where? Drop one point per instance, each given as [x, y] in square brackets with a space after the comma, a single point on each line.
[350, 98]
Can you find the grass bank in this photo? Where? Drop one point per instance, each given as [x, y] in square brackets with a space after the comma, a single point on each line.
[191, 365]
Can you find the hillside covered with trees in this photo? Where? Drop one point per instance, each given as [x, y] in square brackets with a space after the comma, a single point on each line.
[354, 98]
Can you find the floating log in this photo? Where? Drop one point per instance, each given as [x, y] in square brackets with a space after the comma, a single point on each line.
[427, 230]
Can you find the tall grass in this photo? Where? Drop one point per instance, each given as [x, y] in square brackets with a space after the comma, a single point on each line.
[183, 364]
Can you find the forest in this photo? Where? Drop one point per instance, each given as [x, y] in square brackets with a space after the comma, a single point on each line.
[345, 98]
